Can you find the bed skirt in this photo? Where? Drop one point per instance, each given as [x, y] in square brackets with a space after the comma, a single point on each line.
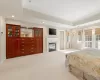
[81, 75]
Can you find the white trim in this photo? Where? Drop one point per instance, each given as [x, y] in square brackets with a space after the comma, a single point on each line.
[2, 61]
[93, 38]
[89, 23]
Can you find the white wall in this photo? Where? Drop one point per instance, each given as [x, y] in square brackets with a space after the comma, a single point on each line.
[2, 39]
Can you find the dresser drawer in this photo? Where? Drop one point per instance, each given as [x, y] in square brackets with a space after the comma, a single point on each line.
[26, 48]
[31, 52]
[27, 39]
[24, 53]
[23, 49]
[30, 42]
[27, 44]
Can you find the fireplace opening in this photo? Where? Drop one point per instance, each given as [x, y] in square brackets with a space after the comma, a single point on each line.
[52, 47]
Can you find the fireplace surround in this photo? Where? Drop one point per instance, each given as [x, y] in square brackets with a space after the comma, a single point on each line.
[52, 44]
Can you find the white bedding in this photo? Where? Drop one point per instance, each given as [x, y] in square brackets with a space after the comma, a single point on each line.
[86, 60]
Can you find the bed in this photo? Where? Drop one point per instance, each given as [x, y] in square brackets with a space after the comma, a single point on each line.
[84, 64]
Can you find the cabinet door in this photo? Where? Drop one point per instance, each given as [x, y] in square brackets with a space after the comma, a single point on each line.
[36, 32]
[40, 32]
[37, 45]
[12, 41]
[38, 36]
[35, 40]
[40, 40]
[9, 30]
[41, 45]
[17, 47]
[10, 48]
[13, 30]
[16, 31]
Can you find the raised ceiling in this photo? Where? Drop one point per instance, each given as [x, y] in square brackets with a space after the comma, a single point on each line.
[63, 13]
[70, 10]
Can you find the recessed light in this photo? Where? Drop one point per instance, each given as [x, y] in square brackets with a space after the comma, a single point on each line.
[13, 16]
[42, 22]
[30, 1]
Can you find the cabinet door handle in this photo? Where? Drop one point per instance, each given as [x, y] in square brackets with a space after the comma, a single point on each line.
[22, 49]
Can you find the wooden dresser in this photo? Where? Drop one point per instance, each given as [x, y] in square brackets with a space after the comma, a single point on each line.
[20, 46]
[27, 46]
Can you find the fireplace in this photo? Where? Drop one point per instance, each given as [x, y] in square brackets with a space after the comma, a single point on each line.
[52, 44]
[52, 47]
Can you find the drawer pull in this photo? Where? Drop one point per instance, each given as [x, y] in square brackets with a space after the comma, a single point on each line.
[22, 49]
[22, 52]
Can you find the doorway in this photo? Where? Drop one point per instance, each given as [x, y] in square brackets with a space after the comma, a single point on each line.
[61, 40]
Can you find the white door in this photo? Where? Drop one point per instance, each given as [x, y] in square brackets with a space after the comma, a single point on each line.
[61, 40]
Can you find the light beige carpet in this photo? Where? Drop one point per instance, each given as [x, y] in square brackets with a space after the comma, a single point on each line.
[46, 66]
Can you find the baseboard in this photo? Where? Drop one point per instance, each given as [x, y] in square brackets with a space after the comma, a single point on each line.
[2, 61]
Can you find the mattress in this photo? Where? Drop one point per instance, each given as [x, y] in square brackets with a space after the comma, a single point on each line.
[86, 60]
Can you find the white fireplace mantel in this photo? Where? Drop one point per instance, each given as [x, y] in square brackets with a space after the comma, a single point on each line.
[50, 40]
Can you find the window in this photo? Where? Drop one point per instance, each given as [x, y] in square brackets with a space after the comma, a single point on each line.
[80, 36]
[88, 44]
[88, 38]
[88, 41]
[97, 37]
[97, 41]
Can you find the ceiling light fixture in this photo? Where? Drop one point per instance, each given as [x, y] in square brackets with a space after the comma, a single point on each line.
[42, 22]
[13, 16]
[30, 1]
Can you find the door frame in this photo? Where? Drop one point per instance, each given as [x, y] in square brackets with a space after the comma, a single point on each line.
[64, 39]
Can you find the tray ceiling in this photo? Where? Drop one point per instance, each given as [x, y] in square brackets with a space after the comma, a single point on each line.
[70, 10]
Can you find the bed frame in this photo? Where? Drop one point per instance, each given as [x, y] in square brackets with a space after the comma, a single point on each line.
[81, 75]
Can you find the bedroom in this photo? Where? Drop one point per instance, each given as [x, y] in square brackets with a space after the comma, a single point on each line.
[37, 36]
